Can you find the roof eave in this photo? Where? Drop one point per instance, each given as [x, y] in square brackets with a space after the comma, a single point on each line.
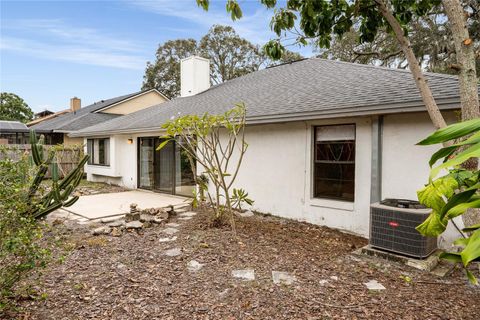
[415, 106]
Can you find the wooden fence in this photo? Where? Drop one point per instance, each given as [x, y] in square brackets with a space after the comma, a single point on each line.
[66, 157]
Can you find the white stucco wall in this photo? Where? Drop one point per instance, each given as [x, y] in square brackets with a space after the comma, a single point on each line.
[404, 164]
[277, 173]
[277, 170]
[123, 161]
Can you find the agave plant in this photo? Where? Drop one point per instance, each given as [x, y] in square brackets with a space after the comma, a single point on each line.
[451, 195]
[60, 194]
[240, 196]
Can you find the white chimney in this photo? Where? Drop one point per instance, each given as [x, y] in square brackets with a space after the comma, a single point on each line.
[194, 75]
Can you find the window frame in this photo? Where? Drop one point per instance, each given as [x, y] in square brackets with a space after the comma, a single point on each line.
[92, 161]
[314, 161]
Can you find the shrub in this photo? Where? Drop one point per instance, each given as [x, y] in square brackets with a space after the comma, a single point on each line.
[452, 194]
[19, 249]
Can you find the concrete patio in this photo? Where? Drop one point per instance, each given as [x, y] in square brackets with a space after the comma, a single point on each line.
[106, 205]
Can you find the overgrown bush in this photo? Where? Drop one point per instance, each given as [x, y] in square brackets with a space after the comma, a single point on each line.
[19, 233]
[24, 200]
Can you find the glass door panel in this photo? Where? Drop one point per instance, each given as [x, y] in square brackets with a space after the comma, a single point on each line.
[146, 158]
[184, 179]
[165, 167]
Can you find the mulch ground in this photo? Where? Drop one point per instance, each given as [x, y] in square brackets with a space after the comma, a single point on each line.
[129, 277]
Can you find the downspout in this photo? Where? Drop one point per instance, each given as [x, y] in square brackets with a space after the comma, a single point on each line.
[377, 151]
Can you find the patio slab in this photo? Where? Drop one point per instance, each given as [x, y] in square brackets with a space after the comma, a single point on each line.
[116, 204]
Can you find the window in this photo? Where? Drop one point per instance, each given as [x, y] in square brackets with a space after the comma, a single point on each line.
[334, 162]
[99, 151]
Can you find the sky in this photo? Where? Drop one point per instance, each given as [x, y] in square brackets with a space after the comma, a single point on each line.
[51, 51]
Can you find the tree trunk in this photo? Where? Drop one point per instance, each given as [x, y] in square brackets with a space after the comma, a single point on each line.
[465, 55]
[467, 78]
[418, 76]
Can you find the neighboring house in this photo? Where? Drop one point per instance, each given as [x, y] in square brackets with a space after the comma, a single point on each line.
[326, 138]
[43, 114]
[47, 115]
[79, 118]
[15, 132]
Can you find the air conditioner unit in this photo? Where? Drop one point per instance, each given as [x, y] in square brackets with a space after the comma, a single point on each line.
[392, 228]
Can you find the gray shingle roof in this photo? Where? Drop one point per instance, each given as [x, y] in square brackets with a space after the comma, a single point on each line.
[314, 88]
[82, 118]
[12, 126]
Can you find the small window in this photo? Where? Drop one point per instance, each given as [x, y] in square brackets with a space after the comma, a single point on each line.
[334, 162]
[99, 151]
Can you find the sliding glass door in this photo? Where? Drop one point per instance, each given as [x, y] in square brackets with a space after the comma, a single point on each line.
[145, 163]
[167, 170]
[165, 167]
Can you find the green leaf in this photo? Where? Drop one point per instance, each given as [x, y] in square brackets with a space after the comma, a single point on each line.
[461, 208]
[163, 144]
[461, 242]
[472, 250]
[473, 280]
[456, 200]
[471, 152]
[452, 257]
[471, 228]
[451, 132]
[432, 226]
[442, 153]
[203, 3]
[432, 194]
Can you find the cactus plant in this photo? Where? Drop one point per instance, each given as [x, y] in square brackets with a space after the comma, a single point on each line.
[61, 189]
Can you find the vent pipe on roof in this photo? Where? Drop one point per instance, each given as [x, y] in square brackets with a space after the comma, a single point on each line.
[75, 104]
[194, 75]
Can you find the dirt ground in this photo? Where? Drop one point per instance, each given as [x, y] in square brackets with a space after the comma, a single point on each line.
[130, 277]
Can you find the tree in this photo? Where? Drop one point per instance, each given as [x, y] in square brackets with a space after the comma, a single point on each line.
[430, 36]
[164, 74]
[322, 19]
[230, 56]
[13, 108]
[217, 144]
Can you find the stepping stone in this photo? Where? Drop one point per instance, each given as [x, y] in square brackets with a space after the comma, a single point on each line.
[246, 214]
[167, 239]
[374, 285]
[170, 231]
[194, 266]
[173, 252]
[188, 214]
[134, 225]
[101, 230]
[334, 278]
[280, 277]
[172, 225]
[158, 220]
[323, 282]
[147, 218]
[185, 218]
[116, 223]
[246, 275]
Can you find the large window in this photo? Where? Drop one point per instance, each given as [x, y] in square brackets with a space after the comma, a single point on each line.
[99, 151]
[334, 162]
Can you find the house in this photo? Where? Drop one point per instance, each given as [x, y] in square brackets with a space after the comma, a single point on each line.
[15, 132]
[326, 138]
[43, 114]
[79, 118]
[47, 114]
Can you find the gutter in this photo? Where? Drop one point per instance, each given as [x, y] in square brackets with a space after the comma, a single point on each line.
[445, 104]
